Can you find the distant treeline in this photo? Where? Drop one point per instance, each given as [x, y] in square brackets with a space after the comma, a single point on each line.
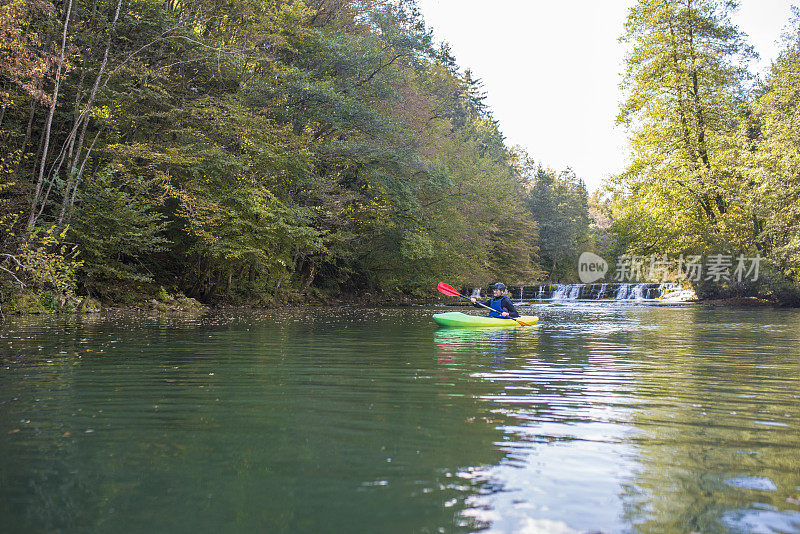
[250, 151]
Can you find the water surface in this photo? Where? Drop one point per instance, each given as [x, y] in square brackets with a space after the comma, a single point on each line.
[605, 417]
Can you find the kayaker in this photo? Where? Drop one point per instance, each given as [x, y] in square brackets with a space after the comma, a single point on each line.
[499, 303]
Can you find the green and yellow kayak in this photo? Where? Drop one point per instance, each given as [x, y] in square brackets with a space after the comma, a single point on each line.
[462, 319]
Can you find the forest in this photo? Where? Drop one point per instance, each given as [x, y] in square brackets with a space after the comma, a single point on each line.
[274, 151]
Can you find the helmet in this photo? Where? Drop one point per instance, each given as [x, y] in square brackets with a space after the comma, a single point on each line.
[499, 285]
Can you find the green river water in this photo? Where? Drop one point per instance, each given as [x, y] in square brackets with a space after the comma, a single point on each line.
[606, 417]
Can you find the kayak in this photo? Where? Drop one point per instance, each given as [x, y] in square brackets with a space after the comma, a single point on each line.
[462, 319]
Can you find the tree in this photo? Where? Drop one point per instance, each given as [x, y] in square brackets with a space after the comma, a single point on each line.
[559, 204]
[258, 150]
[774, 163]
[685, 81]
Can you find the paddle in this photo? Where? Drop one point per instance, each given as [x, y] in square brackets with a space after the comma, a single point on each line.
[453, 292]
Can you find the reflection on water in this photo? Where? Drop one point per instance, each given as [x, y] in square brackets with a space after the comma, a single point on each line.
[646, 419]
[457, 346]
[604, 418]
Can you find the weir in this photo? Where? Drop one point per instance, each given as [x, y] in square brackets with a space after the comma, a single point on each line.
[571, 292]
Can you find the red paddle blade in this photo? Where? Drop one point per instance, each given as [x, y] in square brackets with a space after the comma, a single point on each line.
[448, 290]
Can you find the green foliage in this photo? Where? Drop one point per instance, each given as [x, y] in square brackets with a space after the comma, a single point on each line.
[685, 79]
[162, 294]
[264, 151]
[40, 274]
[49, 262]
[27, 302]
[774, 164]
[559, 203]
[117, 229]
[771, 284]
[714, 167]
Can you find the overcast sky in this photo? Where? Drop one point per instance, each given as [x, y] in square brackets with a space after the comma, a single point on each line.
[551, 70]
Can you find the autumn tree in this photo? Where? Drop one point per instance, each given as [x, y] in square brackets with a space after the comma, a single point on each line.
[773, 147]
[685, 84]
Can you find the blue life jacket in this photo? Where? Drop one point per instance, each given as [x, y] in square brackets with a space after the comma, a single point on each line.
[494, 304]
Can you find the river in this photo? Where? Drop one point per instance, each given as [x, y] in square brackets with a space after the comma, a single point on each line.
[606, 417]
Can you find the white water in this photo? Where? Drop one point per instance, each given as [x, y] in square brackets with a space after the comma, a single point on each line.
[567, 292]
[627, 292]
[631, 292]
[602, 293]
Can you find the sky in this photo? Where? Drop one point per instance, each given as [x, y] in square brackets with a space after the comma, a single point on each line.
[551, 70]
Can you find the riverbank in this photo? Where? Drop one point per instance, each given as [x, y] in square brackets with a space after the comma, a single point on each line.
[39, 303]
[744, 302]
[45, 302]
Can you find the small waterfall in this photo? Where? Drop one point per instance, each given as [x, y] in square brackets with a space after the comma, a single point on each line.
[626, 292]
[602, 292]
[476, 293]
[638, 292]
[635, 291]
[561, 292]
[622, 292]
[568, 292]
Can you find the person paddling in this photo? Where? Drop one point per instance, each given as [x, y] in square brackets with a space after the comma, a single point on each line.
[499, 303]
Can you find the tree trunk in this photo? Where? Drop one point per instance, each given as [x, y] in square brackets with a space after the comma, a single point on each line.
[74, 155]
[49, 123]
[310, 279]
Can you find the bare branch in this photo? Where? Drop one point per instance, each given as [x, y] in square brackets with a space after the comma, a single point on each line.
[11, 273]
